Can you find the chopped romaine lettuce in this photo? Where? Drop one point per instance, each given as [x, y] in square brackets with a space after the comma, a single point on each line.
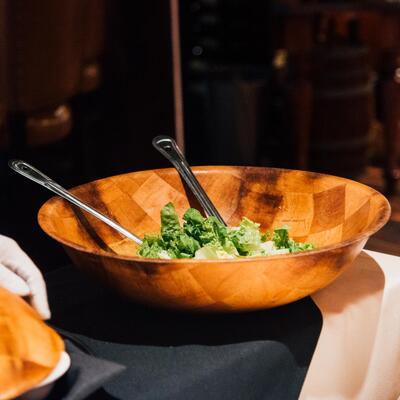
[152, 247]
[169, 222]
[207, 238]
[212, 252]
[282, 240]
[173, 239]
[247, 238]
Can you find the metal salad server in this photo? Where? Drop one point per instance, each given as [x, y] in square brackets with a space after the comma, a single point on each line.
[170, 150]
[35, 175]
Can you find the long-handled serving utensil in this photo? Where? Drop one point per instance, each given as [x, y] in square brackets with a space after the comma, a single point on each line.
[35, 175]
[170, 150]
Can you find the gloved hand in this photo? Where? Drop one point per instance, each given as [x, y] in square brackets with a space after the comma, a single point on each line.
[20, 275]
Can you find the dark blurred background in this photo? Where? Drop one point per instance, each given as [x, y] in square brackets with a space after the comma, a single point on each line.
[86, 84]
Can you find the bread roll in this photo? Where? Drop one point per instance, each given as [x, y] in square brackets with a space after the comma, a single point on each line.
[29, 349]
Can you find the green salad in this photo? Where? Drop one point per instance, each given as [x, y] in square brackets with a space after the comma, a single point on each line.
[206, 238]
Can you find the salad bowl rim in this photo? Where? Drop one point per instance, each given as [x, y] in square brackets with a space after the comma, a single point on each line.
[384, 216]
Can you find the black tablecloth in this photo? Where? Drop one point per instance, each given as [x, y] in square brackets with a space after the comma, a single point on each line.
[258, 355]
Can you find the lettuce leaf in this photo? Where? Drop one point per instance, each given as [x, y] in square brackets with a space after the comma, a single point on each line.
[170, 226]
[207, 238]
[247, 238]
[282, 240]
[280, 237]
[153, 246]
[173, 242]
[213, 252]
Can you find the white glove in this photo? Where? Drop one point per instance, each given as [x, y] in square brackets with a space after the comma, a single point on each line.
[20, 275]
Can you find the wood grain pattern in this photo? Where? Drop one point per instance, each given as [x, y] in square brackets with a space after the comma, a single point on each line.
[336, 214]
[29, 350]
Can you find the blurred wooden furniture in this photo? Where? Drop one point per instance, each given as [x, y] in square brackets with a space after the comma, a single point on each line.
[49, 53]
[389, 102]
[379, 29]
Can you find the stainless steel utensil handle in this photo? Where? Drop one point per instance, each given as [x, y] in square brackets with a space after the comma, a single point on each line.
[35, 175]
[170, 150]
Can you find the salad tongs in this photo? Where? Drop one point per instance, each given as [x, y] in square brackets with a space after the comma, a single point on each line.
[35, 175]
[170, 150]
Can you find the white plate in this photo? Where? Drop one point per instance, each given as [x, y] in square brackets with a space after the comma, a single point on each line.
[42, 389]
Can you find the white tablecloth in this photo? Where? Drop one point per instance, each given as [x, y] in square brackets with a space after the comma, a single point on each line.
[358, 351]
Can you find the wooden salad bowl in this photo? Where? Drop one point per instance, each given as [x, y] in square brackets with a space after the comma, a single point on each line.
[335, 214]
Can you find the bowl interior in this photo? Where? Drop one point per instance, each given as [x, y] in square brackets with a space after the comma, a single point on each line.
[321, 209]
